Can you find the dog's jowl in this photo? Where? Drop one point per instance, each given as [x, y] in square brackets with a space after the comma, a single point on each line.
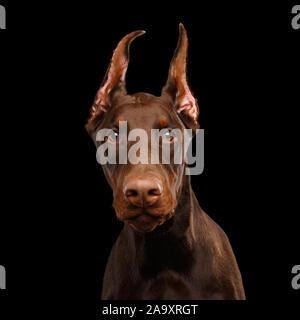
[169, 248]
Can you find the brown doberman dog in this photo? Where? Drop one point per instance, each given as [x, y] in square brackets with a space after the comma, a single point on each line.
[168, 248]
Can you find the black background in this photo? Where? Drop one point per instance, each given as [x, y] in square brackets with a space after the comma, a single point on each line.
[57, 224]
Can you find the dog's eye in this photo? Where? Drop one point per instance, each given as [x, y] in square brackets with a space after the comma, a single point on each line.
[167, 137]
[113, 136]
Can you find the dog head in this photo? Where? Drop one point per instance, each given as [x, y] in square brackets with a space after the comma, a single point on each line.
[145, 195]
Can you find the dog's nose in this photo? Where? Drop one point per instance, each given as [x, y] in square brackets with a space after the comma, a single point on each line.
[143, 193]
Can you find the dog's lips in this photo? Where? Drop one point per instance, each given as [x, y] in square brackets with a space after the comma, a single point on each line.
[154, 214]
[145, 222]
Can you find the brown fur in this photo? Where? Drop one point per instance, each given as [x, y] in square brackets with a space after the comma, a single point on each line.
[170, 249]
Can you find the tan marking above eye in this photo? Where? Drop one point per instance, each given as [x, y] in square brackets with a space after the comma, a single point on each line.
[163, 122]
[118, 121]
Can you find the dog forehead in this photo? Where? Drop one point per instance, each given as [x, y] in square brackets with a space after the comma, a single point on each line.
[144, 110]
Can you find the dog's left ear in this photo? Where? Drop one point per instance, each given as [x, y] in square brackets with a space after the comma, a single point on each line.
[177, 88]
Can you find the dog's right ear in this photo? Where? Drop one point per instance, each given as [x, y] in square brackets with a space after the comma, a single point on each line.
[113, 85]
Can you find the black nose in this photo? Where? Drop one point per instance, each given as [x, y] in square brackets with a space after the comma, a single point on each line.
[143, 193]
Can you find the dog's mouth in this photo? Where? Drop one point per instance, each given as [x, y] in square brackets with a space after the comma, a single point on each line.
[146, 221]
[145, 218]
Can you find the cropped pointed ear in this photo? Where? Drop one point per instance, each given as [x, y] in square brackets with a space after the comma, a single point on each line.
[113, 85]
[177, 88]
